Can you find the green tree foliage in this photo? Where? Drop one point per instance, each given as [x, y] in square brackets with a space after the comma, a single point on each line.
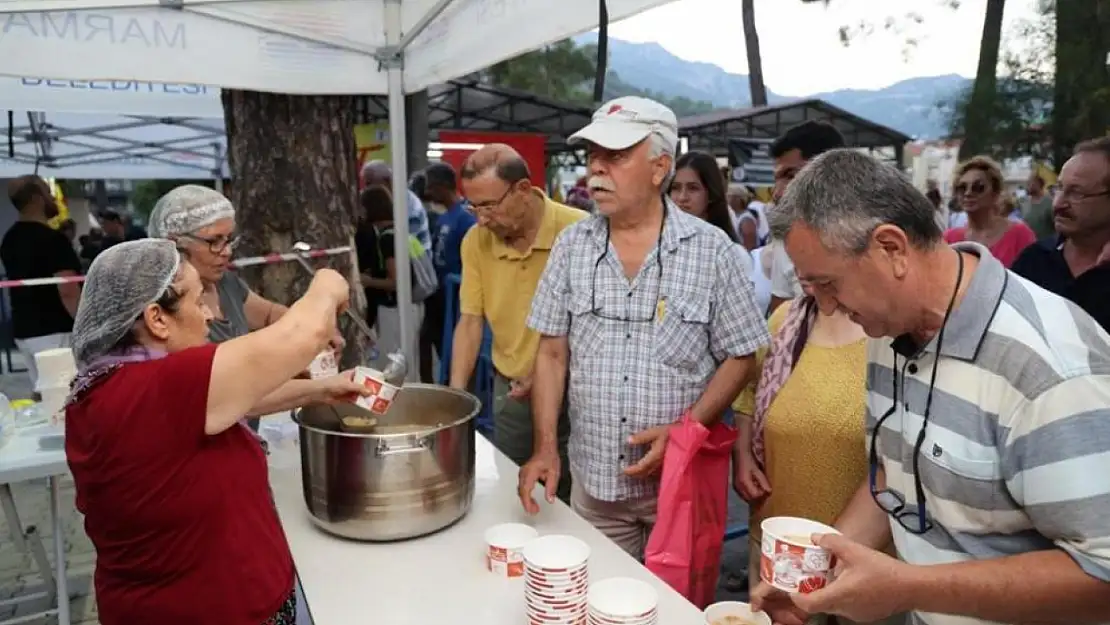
[681, 105]
[1021, 107]
[1082, 96]
[147, 192]
[564, 71]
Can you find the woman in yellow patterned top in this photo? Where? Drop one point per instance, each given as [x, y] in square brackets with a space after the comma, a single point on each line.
[802, 445]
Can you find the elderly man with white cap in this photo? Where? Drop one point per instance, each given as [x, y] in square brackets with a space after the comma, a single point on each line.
[646, 315]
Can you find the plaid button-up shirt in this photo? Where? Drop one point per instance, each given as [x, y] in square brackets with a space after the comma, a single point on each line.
[641, 352]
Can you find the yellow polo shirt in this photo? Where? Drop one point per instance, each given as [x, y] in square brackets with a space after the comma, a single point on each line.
[498, 283]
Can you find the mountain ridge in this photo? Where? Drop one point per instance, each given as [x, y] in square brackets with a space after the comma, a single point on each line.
[910, 106]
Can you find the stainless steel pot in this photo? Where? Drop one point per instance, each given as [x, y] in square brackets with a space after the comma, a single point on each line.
[413, 475]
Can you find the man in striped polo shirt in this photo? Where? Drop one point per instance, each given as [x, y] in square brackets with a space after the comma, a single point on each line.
[988, 418]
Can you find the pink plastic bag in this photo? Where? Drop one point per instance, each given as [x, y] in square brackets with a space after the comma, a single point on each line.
[684, 548]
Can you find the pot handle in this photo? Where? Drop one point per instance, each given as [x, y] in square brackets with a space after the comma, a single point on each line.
[415, 445]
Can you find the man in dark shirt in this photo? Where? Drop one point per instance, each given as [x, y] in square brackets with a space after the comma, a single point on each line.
[447, 235]
[42, 316]
[1076, 264]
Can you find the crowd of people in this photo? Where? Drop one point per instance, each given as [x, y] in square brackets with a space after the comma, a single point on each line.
[941, 396]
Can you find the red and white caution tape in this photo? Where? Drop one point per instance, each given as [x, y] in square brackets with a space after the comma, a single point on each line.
[268, 259]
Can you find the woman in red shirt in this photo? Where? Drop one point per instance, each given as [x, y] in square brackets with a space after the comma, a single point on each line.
[979, 189]
[173, 487]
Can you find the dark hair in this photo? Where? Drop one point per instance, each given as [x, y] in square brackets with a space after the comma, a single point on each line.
[811, 138]
[24, 189]
[169, 301]
[442, 176]
[705, 166]
[934, 197]
[111, 216]
[418, 184]
[377, 204]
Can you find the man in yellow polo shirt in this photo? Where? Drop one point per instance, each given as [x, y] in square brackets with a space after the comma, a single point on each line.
[502, 260]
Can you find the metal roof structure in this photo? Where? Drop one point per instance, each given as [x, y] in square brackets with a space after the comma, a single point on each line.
[129, 145]
[468, 104]
[712, 131]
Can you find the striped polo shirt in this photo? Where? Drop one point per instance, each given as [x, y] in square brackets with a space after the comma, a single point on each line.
[1016, 454]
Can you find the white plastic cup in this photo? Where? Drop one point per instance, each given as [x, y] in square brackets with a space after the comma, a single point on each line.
[789, 560]
[504, 546]
[382, 393]
[323, 365]
[734, 613]
[556, 554]
[623, 599]
[53, 403]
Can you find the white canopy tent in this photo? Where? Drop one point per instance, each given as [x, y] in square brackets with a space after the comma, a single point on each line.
[114, 129]
[292, 46]
[132, 147]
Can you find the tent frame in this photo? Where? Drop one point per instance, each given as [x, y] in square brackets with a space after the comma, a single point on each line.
[41, 135]
[711, 132]
[391, 58]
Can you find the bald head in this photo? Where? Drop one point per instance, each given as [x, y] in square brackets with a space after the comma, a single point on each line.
[377, 173]
[505, 162]
[31, 192]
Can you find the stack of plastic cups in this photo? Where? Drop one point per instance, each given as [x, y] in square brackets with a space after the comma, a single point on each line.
[56, 370]
[556, 580]
[622, 601]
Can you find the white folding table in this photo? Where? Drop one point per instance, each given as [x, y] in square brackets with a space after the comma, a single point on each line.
[25, 458]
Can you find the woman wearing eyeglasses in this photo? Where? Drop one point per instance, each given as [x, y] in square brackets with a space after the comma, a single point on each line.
[979, 191]
[201, 221]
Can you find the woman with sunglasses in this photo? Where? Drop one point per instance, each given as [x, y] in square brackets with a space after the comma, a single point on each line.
[979, 191]
[201, 221]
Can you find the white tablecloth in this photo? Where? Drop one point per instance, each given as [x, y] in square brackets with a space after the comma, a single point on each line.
[25, 458]
[440, 578]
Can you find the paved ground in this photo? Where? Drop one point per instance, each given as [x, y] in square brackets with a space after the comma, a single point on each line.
[17, 574]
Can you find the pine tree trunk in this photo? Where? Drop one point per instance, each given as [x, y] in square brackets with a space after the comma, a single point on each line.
[756, 85]
[980, 109]
[293, 163]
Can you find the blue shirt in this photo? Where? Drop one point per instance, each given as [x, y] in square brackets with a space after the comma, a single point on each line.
[451, 227]
[418, 220]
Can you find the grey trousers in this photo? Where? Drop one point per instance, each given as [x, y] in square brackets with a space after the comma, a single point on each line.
[513, 432]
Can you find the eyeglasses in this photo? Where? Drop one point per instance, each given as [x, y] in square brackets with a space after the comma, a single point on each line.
[975, 188]
[484, 206]
[217, 245]
[596, 309]
[913, 519]
[1071, 194]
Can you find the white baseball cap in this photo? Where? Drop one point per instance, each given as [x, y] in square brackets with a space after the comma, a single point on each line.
[622, 123]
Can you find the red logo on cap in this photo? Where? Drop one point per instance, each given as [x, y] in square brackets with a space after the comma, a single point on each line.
[615, 109]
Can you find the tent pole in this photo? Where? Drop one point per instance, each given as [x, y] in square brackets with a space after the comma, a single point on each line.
[218, 169]
[422, 23]
[393, 62]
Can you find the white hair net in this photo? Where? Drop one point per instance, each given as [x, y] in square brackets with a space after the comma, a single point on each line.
[186, 209]
[122, 281]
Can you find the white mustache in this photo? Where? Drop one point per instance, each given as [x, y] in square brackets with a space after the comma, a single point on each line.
[600, 183]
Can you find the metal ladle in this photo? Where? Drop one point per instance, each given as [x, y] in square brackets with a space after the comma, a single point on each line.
[397, 369]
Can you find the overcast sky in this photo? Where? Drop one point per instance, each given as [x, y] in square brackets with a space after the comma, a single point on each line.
[802, 53]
